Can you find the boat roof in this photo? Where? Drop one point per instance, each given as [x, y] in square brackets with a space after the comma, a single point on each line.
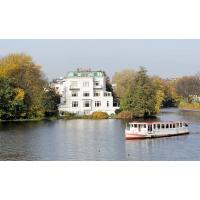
[164, 122]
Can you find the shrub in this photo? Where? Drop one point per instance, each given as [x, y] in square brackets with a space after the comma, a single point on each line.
[125, 115]
[99, 115]
[86, 117]
[185, 105]
[117, 111]
[68, 115]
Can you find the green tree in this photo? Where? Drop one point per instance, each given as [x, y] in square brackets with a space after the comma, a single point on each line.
[11, 101]
[51, 101]
[140, 95]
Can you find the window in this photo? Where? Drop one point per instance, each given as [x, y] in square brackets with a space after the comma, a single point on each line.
[162, 125]
[181, 125]
[107, 94]
[86, 94]
[107, 103]
[145, 126]
[186, 125]
[154, 126]
[74, 104]
[135, 125]
[167, 125]
[97, 103]
[97, 83]
[170, 125]
[96, 94]
[86, 104]
[74, 94]
[86, 84]
[173, 125]
[158, 126]
[177, 125]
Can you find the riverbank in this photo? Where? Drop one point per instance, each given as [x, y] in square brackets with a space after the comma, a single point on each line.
[189, 110]
[193, 106]
[67, 116]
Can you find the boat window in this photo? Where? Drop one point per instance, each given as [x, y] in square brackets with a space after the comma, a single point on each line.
[162, 125]
[145, 126]
[167, 125]
[170, 125]
[135, 125]
[181, 124]
[131, 125]
[177, 125]
[173, 125]
[158, 126]
[186, 125]
[154, 126]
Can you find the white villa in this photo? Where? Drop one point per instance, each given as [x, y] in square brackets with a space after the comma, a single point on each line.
[84, 92]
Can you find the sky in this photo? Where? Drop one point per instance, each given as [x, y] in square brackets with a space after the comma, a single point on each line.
[164, 57]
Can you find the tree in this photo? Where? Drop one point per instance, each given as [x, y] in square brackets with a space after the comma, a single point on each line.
[51, 101]
[11, 101]
[109, 88]
[124, 81]
[166, 92]
[171, 98]
[138, 93]
[23, 73]
[188, 86]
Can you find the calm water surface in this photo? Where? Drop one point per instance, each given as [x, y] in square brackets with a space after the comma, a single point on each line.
[96, 140]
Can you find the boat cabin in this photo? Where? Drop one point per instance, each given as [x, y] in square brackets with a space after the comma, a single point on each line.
[149, 127]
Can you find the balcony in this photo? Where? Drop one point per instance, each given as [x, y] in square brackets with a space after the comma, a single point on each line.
[74, 87]
[98, 86]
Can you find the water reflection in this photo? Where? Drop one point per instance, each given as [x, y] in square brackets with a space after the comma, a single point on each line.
[96, 140]
[185, 147]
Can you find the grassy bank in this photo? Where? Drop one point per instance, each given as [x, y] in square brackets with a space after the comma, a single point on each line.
[194, 106]
[94, 115]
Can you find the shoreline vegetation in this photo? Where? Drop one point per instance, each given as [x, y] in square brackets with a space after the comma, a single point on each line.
[26, 95]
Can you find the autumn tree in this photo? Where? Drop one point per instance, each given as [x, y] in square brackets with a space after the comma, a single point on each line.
[28, 79]
[187, 86]
[166, 92]
[11, 101]
[124, 81]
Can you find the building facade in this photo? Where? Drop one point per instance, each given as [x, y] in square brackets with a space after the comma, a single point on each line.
[84, 92]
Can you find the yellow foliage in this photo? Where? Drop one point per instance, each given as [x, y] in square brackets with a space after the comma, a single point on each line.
[99, 115]
[19, 94]
[159, 99]
[125, 115]
[192, 106]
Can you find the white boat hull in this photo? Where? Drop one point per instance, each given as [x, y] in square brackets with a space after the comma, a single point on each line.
[132, 136]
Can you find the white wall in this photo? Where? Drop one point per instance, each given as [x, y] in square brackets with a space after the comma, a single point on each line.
[66, 92]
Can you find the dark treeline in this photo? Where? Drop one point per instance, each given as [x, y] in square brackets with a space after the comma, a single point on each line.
[24, 90]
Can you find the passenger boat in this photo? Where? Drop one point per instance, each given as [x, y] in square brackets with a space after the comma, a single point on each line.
[142, 130]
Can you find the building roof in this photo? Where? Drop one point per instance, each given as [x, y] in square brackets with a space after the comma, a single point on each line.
[84, 73]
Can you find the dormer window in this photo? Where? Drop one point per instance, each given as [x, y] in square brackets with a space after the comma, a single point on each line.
[97, 83]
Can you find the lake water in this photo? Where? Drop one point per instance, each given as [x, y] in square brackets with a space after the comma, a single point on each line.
[96, 140]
